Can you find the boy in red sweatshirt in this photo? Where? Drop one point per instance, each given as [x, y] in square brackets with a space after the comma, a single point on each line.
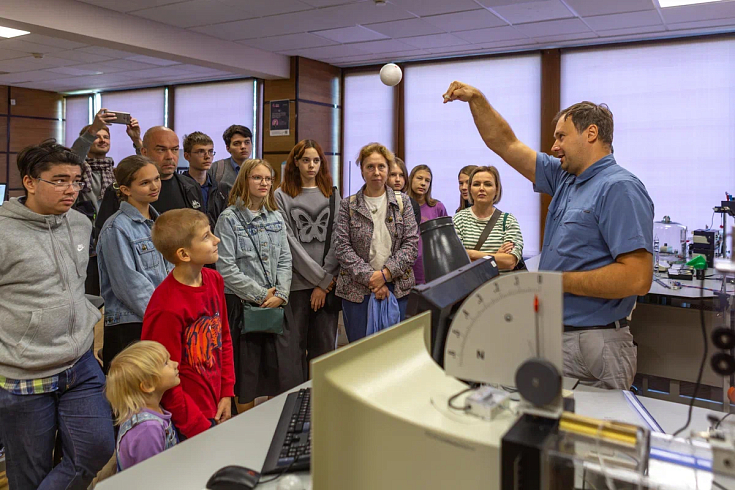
[188, 315]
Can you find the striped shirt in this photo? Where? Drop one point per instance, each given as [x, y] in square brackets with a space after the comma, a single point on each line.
[469, 228]
[30, 386]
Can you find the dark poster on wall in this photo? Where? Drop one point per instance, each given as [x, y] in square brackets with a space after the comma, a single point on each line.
[280, 118]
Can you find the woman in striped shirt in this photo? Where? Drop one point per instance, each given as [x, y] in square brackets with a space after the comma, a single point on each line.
[505, 241]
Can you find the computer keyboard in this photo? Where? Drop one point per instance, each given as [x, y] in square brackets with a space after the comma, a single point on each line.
[291, 445]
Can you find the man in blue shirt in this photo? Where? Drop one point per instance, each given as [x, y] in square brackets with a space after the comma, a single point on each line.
[199, 152]
[599, 232]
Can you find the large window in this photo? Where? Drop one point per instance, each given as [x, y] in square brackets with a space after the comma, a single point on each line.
[674, 113]
[211, 108]
[444, 137]
[369, 109]
[77, 114]
[147, 106]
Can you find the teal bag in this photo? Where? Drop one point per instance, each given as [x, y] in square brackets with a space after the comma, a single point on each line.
[254, 318]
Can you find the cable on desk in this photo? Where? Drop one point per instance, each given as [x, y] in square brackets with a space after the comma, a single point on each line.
[720, 421]
[575, 385]
[715, 484]
[283, 472]
[454, 397]
[701, 366]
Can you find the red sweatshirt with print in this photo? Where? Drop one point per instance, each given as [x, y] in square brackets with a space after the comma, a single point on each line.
[191, 322]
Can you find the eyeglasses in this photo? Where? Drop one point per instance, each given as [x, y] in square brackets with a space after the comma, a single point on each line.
[62, 186]
[307, 161]
[201, 153]
[256, 178]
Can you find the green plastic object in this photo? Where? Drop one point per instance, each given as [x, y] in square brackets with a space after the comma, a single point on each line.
[698, 262]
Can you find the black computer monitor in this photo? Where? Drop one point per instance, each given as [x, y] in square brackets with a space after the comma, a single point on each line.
[444, 295]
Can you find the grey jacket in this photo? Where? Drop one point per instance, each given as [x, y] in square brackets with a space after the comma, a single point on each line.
[224, 175]
[46, 322]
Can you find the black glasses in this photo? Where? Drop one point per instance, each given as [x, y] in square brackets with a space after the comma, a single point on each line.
[201, 153]
[62, 186]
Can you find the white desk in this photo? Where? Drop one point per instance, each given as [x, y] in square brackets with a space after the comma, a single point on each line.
[245, 440]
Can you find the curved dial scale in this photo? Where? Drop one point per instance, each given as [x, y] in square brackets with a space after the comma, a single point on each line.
[504, 322]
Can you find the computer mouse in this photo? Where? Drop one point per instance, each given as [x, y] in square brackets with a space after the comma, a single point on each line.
[233, 478]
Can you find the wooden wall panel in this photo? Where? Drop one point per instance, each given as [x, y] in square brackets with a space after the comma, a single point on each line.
[16, 193]
[278, 144]
[3, 99]
[14, 181]
[36, 103]
[25, 132]
[316, 122]
[275, 159]
[318, 81]
[550, 106]
[3, 132]
[3, 169]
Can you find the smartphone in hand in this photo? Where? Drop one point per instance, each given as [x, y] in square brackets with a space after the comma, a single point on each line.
[120, 118]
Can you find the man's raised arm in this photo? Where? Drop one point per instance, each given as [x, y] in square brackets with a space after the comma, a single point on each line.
[494, 130]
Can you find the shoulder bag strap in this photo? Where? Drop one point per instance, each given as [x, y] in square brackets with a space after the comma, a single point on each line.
[505, 219]
[488, 228]
[330, 224]
[257, 251]
[220, 171]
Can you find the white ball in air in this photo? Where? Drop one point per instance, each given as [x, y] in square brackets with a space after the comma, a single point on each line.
[391, 74]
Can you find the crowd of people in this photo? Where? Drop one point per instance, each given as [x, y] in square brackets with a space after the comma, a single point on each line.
[220, 284]
[219, 288]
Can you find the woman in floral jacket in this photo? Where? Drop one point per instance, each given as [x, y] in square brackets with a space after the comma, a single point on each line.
[376, 242]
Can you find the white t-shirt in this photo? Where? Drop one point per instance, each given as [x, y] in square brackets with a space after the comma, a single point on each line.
[380, 246]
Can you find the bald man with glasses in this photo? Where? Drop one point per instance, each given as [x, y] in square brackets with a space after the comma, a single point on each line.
[178, 191]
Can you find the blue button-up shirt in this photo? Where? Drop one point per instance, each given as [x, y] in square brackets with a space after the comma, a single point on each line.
[593, 218]
[234, 165]
[206, 189]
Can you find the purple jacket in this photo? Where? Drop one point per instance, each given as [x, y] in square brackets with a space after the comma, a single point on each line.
[353, 234]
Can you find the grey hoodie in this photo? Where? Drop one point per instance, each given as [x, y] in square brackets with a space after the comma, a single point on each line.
[46, 322]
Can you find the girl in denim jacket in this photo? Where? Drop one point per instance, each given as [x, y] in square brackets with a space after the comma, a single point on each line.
[129, 265]
[250, 227]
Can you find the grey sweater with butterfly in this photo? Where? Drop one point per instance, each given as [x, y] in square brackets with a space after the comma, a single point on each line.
[307, 218]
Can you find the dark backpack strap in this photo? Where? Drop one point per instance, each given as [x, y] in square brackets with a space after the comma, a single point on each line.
[219, 172]
[488, 228]
[330, 224]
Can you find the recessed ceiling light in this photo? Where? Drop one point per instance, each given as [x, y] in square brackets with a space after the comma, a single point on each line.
[8, 32]
[679, 3]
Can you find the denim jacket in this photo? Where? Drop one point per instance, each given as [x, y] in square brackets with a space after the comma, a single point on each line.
[238, 259]
[130, 266]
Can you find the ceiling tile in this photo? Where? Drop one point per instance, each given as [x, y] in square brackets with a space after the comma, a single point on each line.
[340, 50]
[633, 30]
[479, 36]
[329, 3]
[520, 13]
[465, 21]
[276, 25]
[405, 28]
[552, 28]
[201, 13]
[127, 5]
[602, 7]
[561, 38]
[114, 66]
[27, 76]
[151, 60]
[264, 8]
[9, 54]
[19, 45]
[73, 71]
[353, 34]
[80, 56]
[423, 8]
[288, 41]
[52, 41]
[622, 21]
[434, 41]
[386, 46]
[17, 65]
[51, 61]
[705, 11]
[110, 53]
